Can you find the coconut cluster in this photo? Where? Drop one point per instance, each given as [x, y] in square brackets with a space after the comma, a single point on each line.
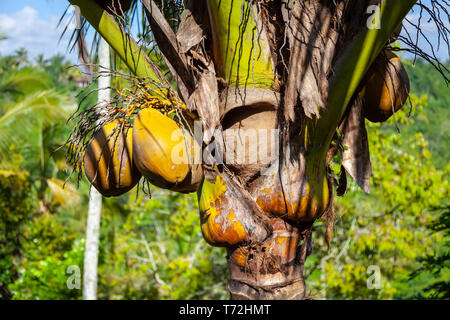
[154, 146]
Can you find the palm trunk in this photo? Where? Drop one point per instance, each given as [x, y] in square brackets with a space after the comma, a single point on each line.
[95, 199]
[272, 270]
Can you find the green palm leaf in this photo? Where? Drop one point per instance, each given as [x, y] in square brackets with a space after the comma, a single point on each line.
[22, 123]
[26, 80]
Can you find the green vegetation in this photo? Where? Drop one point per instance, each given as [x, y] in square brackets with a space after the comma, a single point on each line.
[435, 122]
[434, 273]
[387, 229]
[153, 248]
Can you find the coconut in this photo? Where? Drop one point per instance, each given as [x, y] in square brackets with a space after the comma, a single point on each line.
[108, 162]
[291, 192]
[227, 217]
[386, 88]
[164, 152]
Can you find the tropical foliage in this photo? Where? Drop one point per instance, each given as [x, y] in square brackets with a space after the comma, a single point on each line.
[388, 229]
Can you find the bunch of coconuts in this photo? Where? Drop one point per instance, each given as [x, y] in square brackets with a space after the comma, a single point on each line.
[155, 146]
[386, 87]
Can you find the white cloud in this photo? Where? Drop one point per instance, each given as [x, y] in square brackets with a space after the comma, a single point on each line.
[26, 29]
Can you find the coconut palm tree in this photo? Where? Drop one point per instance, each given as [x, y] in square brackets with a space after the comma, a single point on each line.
[22, 56]
[41, 61]
[302, 69]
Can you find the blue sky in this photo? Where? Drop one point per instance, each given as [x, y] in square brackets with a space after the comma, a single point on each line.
[32, 24]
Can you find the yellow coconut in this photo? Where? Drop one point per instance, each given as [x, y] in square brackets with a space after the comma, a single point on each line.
[219, 223]
[386, 89]
[164, 153]
[228, 218]
[108, 162]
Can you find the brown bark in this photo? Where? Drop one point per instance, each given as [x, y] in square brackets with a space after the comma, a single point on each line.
[272, 270]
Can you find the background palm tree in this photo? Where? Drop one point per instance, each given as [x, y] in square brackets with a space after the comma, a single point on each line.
[22, 56]
[95, 198]
[40, 60]
[31, 114]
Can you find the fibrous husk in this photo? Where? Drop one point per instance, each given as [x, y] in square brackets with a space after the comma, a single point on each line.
[312, 41]
[190, 33]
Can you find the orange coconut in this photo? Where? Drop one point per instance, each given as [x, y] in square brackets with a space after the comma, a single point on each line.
[386, 89]
[108, 162]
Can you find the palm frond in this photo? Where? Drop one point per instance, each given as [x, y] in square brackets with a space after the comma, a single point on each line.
[25, 80]
[22, 121]
[63, 194]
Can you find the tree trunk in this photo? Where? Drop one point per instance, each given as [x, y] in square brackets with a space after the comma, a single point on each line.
[95, 198]
[272, 270]
[91, 249]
